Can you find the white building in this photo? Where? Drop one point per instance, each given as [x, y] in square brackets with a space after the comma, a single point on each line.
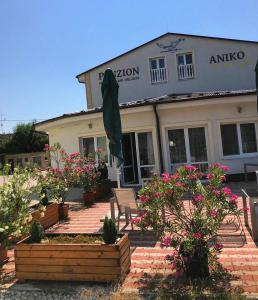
[184, 100]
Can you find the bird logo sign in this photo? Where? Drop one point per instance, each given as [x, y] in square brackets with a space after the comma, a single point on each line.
[171, 47]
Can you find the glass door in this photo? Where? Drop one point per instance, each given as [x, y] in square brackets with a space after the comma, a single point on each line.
[146, 155]
[129, 169]
[139, 161]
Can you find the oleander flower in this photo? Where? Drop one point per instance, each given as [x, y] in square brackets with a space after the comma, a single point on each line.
[218, 246]
[213, 213]
[198, 198]
[227, 191]
[144, 199]
[190, 168]
[197, 235]
[166, 241]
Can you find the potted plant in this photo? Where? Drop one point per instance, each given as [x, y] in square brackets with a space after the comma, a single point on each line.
[189, 226]
[15, 197]
[79, 257]
[89, 177]
[58, 180]
[47, 210]
[76, 171]
[103, 183]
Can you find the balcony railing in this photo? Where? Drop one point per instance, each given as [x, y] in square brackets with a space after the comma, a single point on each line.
[185, 71]
[158, 75]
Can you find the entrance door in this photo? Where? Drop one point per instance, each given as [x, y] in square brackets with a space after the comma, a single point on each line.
[129, 170]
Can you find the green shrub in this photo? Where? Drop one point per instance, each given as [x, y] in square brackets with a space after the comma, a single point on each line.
[44, 196]
[15, 198]
[109, 231]
[36, 232]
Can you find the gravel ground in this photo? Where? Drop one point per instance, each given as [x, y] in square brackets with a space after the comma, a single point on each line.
[56, 291]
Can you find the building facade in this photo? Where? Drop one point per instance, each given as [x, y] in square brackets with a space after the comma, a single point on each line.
[184, 100]
[176, 64]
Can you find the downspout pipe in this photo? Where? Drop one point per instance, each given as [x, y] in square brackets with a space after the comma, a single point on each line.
[159, 137]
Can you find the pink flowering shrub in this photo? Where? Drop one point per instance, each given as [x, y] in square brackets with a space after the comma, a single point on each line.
[188, 226]
[72, 170]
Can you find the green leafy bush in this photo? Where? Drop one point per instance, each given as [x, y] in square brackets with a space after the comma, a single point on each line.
[15, 197]
[109, 231]
[36, 232]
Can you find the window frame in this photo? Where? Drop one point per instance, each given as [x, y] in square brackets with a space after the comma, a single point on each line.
[95, 145]
[239, 139]
[150, 69]
[184, 52]
[174, 166]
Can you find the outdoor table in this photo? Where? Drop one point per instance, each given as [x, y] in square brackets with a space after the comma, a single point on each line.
[252, 196]
[245, 168]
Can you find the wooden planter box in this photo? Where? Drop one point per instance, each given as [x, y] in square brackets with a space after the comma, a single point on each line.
[51, 215]
[3, 255]
[76, 262]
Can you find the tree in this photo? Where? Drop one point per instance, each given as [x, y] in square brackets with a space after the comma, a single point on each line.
[25, 139]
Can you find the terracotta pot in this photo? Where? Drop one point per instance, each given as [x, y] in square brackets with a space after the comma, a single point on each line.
[63, 210]
[89, 197]
[103, 188]
[3, 255]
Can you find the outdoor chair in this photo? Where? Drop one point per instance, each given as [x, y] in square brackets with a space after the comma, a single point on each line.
[125, 199]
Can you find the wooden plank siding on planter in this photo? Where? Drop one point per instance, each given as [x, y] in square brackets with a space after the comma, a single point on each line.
[76, 262]
[51, 215]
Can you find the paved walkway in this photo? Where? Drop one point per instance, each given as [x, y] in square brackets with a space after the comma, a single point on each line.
[149, 270]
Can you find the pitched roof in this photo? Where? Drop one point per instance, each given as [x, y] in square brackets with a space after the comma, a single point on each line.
[161, 36]
[172, 98]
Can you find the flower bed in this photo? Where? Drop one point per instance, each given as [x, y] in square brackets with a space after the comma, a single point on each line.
[76, 262]
[50, 217]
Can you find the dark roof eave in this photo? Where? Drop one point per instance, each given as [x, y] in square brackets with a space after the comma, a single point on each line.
[153, 40]
[152, 101]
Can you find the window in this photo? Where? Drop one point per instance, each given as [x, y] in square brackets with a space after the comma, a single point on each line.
[238, 139]
[229, 139]
[88, 147]
[19, 161]
[188, 146]
[177, 146]
[36, 161]
[91, 146]
[102, 148]
[185, 66]
[249, 144]
[197, 144]
[158, 70]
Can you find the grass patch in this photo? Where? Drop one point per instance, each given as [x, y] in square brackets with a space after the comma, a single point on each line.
[75, 239]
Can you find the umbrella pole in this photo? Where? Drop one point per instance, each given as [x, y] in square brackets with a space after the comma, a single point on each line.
[118, 175]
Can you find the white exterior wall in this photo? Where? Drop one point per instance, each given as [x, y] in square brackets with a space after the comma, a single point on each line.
[209, 113]
[231, 75]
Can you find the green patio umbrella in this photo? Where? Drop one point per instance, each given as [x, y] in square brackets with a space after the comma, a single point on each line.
[111, 117]
[256, 75]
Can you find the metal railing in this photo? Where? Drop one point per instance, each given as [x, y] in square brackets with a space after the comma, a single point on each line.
[185, 71]
[251, 196]
[158, 75]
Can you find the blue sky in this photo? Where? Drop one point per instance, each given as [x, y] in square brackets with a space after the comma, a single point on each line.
[44, 44]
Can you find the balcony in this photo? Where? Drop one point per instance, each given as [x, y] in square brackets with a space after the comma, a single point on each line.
[185, 71]
[158, 75]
